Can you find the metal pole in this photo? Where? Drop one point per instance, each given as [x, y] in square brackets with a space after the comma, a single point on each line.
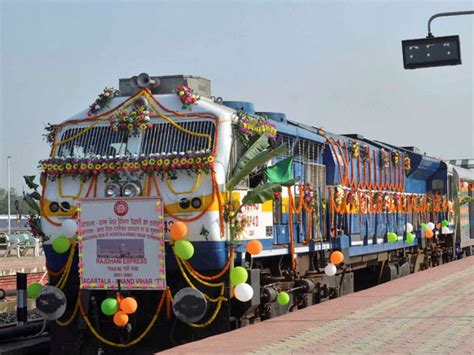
[21, 305]
[444, 14]
[9, 188]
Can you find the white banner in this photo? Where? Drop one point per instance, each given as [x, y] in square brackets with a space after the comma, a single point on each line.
[121, 239]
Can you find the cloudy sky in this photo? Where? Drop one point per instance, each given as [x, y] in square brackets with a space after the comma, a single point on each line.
[332, 64]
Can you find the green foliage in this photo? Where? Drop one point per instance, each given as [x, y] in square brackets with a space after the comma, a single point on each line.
[23, 206]
[256, 155]
[261, 193]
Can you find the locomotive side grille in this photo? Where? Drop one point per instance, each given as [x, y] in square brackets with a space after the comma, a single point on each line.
[304, 149]
[166, 138]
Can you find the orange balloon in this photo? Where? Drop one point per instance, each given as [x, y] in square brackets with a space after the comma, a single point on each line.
[128, 305]
[254, 247]
[429, 233]
[120, 319]
[336, 257]
[178, 230]
[438, 226]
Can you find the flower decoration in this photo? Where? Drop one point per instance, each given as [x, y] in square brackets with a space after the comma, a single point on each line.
[34, 223]
[50, 133]
[186, 96]
[165, 163]
[354, 149]
[364, 152]
[407, 162]
[383, 158]
[308, 193]
[339, 195]
[250, 127]
[134, 121]
[103, 100]
[396, 157]
[237, 221]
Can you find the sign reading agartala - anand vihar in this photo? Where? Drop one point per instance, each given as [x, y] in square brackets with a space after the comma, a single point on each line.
[121, 240]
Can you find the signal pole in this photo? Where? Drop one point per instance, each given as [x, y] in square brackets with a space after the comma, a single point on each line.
[9, 192]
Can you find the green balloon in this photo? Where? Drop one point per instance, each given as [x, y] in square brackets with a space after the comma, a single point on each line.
[61, 245]
[183, 249]
[238, 275]
[444, 223]
[283, 298]
[392, 237]
[109, 306]
[410, 238]
[424, 226]
[34, 290]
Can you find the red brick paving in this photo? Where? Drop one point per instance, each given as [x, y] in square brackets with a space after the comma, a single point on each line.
[430, 312]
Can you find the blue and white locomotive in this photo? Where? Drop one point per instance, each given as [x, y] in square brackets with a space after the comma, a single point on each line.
[388, 211]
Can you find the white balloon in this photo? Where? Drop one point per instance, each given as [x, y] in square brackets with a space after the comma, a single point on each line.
[445, 230]
[330, 269]
[69, 228]
[465, 184]
[409, 227]
[430, 226]
[243, 292]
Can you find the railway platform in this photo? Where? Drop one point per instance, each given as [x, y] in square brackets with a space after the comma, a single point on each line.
[430, 312]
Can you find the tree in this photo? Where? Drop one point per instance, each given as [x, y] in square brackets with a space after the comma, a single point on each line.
[18, 205]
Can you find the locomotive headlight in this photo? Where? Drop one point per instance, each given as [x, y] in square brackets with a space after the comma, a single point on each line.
[131, 189]
[112, 190]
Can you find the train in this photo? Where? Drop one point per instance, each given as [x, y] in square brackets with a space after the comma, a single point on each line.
[210, 215]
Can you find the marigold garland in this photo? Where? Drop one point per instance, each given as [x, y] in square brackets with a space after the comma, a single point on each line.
[191, 162]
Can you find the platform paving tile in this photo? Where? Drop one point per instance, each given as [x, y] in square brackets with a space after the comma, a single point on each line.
[431, 312]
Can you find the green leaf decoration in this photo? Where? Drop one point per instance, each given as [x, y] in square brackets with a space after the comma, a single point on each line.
[32, 203]
[36, 196]
[261, 194]
[256, 155]
[29, 180]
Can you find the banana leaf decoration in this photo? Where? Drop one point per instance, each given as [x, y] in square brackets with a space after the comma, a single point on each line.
[256, 155]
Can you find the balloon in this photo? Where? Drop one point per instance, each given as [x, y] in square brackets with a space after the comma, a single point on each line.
[243, 292]
[444, 223]
[392, 237]
[430, 226]
[178, 230]
[424, 226]
[69, 228]
[336, 257]
[128, 305]
[410, 238]
[109, 306]
[330, 269]
[409, 227]
[34, 289]
[120, 319]
[183, 249]
[429, 233]
[61, 245]
[283, 298]
[254, 247]
[445, 230]
[238, 275]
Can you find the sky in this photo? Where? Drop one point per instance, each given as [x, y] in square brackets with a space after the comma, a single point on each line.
[331, 64]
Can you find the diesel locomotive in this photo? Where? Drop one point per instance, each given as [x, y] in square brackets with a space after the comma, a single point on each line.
[388, 211]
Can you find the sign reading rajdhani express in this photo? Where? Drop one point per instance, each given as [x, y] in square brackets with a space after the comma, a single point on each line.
[431, 52]
[121, 240]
